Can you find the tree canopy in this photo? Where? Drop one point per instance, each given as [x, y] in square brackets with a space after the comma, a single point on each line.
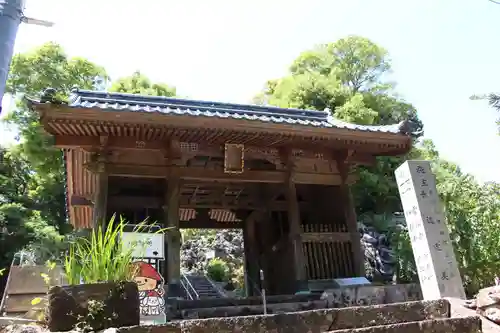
[138, 83]
[350, 77]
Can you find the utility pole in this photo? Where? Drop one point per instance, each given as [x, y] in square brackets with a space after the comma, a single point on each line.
[11, 16]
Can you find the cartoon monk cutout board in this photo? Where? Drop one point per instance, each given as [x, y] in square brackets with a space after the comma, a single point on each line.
[151, 287]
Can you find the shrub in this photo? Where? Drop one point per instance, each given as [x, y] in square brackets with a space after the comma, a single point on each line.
[218, 270]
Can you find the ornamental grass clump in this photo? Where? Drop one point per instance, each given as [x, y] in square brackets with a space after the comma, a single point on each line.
[102, 257]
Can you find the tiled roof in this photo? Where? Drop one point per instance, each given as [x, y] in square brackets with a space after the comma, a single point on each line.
[176, 106]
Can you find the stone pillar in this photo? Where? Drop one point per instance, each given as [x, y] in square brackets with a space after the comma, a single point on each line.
[101, 194]
[436, 264]
[173, 237]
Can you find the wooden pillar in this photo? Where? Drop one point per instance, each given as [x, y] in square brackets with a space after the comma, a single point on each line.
[251, 258]
[173, 236]
[293, 211]
[295, 231]
[101, 193]
[350, 215]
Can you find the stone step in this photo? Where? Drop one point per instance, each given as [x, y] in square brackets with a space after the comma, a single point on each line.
[447, 325]
[226, 302]
[248, 310]
[317, 321]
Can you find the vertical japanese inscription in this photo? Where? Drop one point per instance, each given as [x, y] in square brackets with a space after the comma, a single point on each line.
[432, 247]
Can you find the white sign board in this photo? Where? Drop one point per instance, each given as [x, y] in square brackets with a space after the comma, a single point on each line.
[145, 245]
[436, 264]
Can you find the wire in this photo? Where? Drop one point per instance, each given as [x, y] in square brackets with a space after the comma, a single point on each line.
[495, 2]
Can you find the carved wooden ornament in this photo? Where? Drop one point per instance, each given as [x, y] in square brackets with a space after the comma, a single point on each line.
[234, 158]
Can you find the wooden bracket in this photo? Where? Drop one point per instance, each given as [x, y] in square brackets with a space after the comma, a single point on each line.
[343, 158]
[286, 158]
[173, 149]
[172, 152]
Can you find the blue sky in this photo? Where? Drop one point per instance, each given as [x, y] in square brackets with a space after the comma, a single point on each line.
[442, 51]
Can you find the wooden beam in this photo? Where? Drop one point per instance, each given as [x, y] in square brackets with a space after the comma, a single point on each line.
[80, 201]
[152, 202]
[114, 142]
[325, 237]
[363, 159]
[207, 175]
[209, 224]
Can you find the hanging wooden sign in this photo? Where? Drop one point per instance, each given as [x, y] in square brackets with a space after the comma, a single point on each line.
[234, 158]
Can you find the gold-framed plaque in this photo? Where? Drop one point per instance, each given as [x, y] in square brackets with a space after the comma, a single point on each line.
[234, 158]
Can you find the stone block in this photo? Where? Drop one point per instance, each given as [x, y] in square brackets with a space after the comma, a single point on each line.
[403, 293]
[462, 325]
[93, 306]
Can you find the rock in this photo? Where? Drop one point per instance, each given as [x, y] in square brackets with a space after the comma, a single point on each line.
[380, 259]
[22, 329]
[488, 303]
[367, 238]
[226, 243]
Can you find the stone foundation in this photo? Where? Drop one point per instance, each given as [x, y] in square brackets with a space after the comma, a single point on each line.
[410, 317]
[333, 298]
[428, 316]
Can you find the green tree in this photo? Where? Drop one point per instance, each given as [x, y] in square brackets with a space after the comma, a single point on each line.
[34, 205]
[137, 83]
[21, 223]
[31, 73]
[349, 77]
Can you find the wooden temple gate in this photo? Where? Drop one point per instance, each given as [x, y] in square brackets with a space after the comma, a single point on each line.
[282, 175]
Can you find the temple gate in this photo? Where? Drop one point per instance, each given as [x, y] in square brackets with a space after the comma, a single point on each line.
[282, 175]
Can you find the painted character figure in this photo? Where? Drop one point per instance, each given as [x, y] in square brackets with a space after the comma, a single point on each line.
[151, 289]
